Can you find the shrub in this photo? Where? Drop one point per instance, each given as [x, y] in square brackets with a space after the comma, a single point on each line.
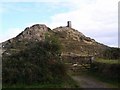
[107, 70]
[112, 53]
[39, 62]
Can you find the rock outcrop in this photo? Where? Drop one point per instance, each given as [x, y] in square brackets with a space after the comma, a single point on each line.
[36, 32]
[33, 33]
[72, 40]
[76, 42]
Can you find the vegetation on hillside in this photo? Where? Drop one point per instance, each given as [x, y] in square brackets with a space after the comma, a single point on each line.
[40, 62]
[108, 69]
[36, 58]
[112, 53]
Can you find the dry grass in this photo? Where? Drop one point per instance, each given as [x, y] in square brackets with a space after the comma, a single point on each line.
[108, 61]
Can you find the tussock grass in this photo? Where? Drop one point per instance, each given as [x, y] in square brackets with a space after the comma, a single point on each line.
[107, 61]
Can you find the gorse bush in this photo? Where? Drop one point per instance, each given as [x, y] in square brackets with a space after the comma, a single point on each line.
[39, 62]
[112, 53]
[106, 70]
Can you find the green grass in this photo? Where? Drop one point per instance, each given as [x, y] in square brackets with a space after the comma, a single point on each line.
[103, 76]
[68, 83]
[107, 66]
[108, 61]
[112, 82]
[35, 85]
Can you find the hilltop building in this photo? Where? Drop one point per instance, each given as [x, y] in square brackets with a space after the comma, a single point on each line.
[69, 24]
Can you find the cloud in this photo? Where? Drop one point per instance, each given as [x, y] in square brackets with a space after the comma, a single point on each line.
[56, 1]
[98, 19]
[13, 32]
[95, 18]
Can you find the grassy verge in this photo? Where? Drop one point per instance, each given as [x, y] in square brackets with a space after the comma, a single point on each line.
[68, 83]
[106, 71]
[108, 61]
[112, 82]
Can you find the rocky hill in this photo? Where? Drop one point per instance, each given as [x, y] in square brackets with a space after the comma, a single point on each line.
[76, 42]
[73, 41]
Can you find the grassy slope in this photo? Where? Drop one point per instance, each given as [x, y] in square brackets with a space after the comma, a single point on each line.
[114, 83]
[108, 61]
[68, 83]
[98, 76]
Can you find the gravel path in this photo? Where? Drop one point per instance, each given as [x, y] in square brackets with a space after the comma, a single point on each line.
[88, 82]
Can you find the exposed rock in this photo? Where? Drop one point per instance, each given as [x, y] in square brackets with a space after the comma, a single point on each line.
[72, 40]
[69, 33]
[36, 32]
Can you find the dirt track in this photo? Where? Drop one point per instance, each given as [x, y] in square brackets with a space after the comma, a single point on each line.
[88, 82]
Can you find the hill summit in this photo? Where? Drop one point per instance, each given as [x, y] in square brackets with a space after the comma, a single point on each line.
[72, 40]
